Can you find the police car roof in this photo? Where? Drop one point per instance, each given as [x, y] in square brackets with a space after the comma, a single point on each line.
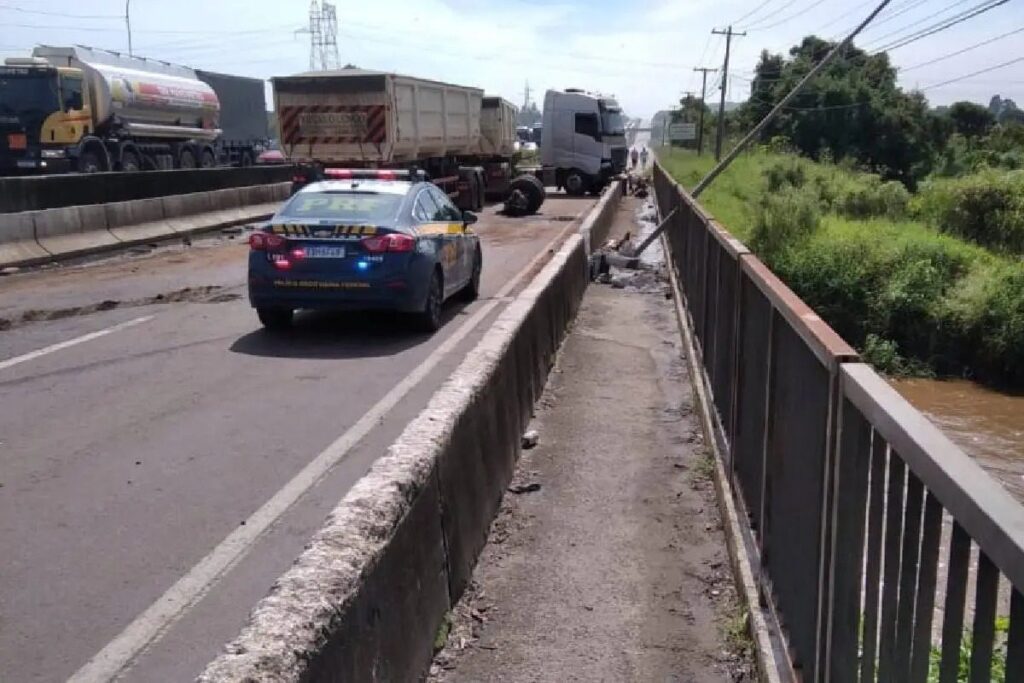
[397, 187]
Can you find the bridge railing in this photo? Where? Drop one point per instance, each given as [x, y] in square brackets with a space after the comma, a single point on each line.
[853, 500]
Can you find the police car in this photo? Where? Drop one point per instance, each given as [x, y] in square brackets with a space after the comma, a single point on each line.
[363, 240]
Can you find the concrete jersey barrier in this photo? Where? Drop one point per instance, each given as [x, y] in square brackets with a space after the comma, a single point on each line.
[364, 600]
[32, 237]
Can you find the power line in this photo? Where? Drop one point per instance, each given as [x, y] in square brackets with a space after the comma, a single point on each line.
[945, 24]
[913, 24]
[753, 11]
[763, 27]
[785, 5]
[973, 73]
[13, 8]
[962, 51]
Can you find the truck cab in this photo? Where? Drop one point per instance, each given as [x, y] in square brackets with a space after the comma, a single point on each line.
[584, 139]
[43, 110]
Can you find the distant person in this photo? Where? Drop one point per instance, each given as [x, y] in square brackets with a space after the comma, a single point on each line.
[643, 157]
[634, 155]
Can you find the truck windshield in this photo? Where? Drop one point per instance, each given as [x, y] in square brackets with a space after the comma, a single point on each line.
[612, 122]
[344, 207]
[28, 95]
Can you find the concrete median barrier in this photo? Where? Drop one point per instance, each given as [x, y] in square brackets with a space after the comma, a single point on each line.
[73, 230]
[182, 211]
[365, 599]
[18, 240]
[138, 220]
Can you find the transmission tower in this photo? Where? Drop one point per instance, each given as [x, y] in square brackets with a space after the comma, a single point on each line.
[526, 96]
[323, 36]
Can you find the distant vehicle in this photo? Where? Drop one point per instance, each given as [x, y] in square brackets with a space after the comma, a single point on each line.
[88, 110]
[538, 134]
[271, 156]
[584, 141]
[364, 239]
[524, 134]
[355, 118]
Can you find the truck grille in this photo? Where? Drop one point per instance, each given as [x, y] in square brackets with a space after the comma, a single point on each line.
[619, 159]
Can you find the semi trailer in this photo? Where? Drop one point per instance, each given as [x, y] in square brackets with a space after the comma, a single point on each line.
[84, 109]
[355, 118]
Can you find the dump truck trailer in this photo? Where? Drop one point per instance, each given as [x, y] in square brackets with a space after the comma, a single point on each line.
[462, 140]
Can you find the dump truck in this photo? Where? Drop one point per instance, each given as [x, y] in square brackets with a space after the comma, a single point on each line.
[355, 118]
[88, 110]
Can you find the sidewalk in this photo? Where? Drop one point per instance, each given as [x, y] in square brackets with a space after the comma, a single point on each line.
[615, 569]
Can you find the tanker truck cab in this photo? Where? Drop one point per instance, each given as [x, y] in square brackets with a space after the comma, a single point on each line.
[44, 112]
[584, 139]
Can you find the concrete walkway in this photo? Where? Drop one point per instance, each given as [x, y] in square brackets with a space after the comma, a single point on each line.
[615, 568]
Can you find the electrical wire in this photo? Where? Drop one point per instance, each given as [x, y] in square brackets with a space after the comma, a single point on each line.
[14, 8]
[943, 25]
[785, 5]
[913, 24]
[973, 73]
[800, 12]
[962, 51]
[756, 9]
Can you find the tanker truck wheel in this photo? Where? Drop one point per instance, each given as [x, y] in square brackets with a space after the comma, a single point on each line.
[531, 189]
[130, 162]
[88, 162]
[187, 159]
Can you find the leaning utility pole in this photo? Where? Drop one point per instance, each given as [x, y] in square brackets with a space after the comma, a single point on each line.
[128, 24]
[779, 106]
[728, 33]
[703, 91]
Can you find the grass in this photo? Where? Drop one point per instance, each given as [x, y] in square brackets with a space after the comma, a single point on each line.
[913, 299]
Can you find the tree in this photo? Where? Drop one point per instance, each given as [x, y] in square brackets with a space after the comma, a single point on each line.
[853, 109]
[971, 120]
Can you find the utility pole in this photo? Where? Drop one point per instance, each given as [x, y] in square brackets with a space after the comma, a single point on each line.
[728, 33]
[128, 24]
[703, 91]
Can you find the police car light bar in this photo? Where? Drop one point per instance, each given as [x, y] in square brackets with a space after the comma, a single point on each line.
[365, 174]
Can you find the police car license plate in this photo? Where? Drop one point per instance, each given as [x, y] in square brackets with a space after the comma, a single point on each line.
[325, 251]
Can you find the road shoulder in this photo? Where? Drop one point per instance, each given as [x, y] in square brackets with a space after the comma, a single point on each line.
[615, 568]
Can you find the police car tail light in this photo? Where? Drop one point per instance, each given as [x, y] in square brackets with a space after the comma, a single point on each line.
[386, 175]
[338, 172]
[393, 242]
[266, 241]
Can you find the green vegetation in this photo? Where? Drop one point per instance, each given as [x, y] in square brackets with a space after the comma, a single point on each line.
[875, 263]
[964, 668]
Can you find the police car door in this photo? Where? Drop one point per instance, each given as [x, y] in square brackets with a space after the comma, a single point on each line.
[455, 235]
[426, 212]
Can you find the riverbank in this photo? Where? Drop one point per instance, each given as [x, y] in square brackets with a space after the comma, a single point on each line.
[914, 301]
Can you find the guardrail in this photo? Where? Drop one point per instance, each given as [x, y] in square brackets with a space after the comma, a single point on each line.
[34, 193]
[843, 484]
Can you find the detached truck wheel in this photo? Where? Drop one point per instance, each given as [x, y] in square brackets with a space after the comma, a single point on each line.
[532, 189]
[577, 183]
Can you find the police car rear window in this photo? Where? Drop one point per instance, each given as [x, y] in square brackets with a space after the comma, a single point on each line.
[352, 207]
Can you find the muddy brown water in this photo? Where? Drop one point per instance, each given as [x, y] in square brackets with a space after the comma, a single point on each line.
[987, 424]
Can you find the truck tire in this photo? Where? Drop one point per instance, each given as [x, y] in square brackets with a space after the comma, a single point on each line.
[187, 160]
[540, 186]
[89, 162]
[532, 189]
[577, 183]
[130, 163]
[207, 159]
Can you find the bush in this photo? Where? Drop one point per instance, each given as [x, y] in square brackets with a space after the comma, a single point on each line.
[786, 218]
[986, 208]
[868, 197]
[787, 172]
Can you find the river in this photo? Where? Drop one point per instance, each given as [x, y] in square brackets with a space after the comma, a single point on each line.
[987, 424]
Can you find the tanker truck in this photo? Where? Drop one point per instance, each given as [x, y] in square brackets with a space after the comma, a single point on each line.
[355, 118]
[83, 109]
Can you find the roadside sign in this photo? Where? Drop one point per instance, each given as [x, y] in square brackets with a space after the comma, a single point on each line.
[682, 131]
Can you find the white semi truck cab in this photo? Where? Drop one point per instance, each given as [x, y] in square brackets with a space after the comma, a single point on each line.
[584, 142]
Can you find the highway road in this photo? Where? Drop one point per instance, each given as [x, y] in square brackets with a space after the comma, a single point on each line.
[163, 459]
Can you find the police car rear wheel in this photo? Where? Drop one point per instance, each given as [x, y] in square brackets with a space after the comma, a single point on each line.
[472, 289]
[429, 319]
[275, 318]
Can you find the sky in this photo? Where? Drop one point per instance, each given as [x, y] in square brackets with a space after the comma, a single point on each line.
[641, 51]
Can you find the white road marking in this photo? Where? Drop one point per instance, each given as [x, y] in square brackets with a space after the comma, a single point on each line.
[53, 348]
[119, 653]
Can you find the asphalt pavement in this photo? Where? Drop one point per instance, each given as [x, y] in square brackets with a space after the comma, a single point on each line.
[163, 459]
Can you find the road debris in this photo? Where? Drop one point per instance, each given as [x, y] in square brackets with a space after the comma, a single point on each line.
[530, 439]
[9, 270]
[524, 488]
